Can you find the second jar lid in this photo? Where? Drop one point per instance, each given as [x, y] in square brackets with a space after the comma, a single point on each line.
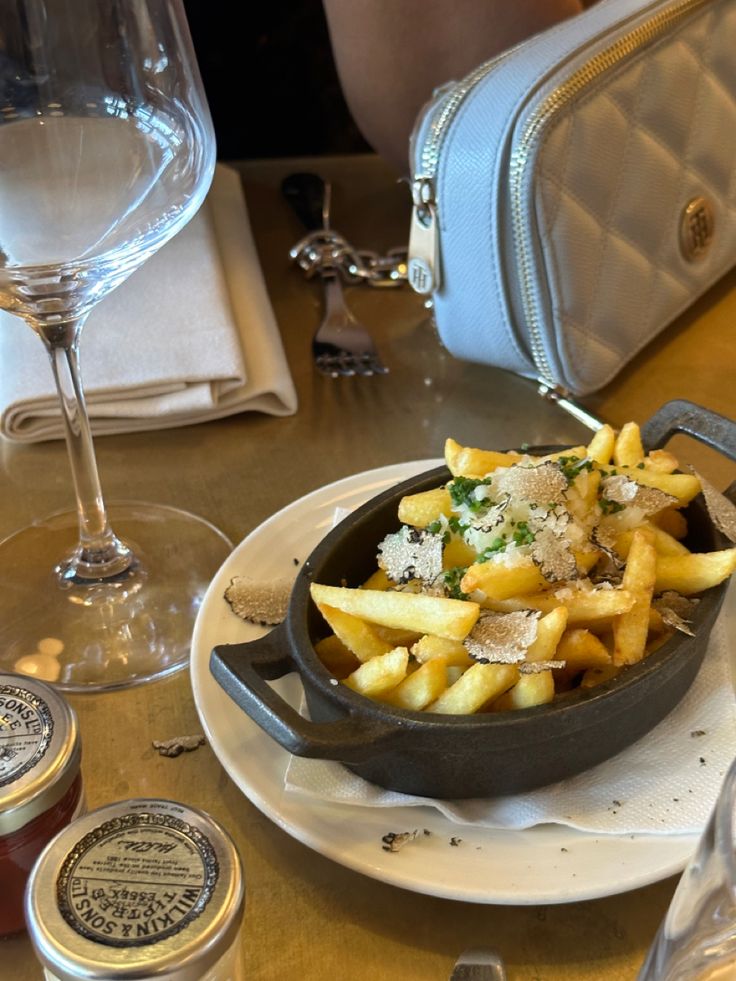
[39, 750]
[140, 888]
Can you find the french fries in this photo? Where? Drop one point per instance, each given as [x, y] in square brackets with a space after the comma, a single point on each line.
[522, 577]
[381, 674]
[423, 686]
[335, 656]
[664, 543]
[550, 629]
[357, 635]
[463, 461]
[480, 684]
[457, 554]
[450, 618]
[378, 580]
[661, 460]
[583, 607]
[683, 486]
[671, 521]
[580, 650]
[529, 690]
[500, 582]
[630, 629]
[627, 450]
[600, 448]
[693, 573]
[422, 509]
[452, 652]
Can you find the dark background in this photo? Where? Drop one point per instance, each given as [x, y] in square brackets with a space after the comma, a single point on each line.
[270, 79]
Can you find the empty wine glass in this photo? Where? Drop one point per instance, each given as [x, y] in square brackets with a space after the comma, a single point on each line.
[106, 151]
[697, 938]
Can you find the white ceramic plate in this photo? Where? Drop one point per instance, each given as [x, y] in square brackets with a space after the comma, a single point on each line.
[545, 864]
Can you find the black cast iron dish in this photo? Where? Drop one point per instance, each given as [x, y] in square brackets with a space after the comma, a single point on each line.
[471, 755]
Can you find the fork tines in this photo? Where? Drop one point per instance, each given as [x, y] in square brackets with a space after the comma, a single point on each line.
[347, 364]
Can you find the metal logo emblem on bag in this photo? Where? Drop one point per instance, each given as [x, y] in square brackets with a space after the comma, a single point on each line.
[697, 226]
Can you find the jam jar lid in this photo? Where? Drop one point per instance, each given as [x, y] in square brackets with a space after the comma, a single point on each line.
[40, 750]
[137, 889]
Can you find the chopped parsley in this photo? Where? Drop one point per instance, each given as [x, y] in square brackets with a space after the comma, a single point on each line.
[455, 525]
[461, 493]
[610, 507]
[453, 577]
[572, 466]
[523, 535]
[497, 545]
[435, 527]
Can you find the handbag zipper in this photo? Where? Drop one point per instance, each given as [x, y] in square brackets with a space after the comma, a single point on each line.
[424, 263]
[556, 101]
[423, 270]
[424, 266]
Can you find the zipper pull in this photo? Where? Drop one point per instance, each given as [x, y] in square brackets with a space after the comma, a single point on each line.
[423, 271]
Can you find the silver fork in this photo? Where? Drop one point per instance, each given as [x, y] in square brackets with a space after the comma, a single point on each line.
[341, 344]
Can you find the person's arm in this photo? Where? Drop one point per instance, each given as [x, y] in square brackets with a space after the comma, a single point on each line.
[391, 54]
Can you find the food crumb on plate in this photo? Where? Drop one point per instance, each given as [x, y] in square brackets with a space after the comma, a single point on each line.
[394, 841]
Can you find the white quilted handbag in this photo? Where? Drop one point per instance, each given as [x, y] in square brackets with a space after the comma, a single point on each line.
[575, 194]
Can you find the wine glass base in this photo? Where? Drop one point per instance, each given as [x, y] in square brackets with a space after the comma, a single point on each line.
[112, 633]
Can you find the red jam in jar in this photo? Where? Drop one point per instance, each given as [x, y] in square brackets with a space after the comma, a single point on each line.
[40, 783]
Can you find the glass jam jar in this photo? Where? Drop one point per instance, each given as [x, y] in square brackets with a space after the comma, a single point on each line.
[138, 889]
[40, 783]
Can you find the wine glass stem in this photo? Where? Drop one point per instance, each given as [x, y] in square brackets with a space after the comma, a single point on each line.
[99, 553]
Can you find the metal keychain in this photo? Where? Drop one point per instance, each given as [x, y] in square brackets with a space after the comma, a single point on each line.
[327, 249]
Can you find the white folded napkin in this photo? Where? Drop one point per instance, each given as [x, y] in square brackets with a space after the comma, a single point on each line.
[666, 783]
[191, 336]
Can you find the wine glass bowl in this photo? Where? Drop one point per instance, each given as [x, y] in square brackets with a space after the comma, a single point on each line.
[106, 144]
[106, 151]
[696, 940]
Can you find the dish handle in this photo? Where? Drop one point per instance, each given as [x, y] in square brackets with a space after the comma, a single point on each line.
[242, 670]
[681, 416]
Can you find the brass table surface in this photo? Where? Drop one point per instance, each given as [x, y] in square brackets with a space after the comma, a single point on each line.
[308, 918]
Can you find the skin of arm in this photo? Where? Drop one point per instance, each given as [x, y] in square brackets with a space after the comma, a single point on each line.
[392, 54]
